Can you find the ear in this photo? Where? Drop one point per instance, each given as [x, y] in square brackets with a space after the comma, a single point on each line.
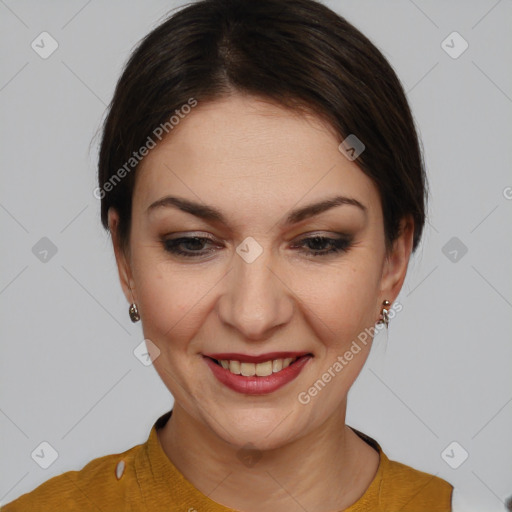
[396, 262]
[122, 259]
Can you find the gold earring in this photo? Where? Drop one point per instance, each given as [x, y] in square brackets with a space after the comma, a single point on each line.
[134, 313]
[385, 313]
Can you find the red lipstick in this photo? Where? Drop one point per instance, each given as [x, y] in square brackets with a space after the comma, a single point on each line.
[246, 358]
[257, 385]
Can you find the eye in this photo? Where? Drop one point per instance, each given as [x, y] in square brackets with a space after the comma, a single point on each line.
[322, 245]
[317, 246]
[192, 245]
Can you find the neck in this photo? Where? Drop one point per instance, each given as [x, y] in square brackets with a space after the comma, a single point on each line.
[327, 469]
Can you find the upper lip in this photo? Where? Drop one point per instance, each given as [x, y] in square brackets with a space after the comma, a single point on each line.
[245, 358]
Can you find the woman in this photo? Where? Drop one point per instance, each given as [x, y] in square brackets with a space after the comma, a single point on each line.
[262, 180]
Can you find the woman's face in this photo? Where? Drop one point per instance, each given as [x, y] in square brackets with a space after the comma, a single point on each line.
[255, 287]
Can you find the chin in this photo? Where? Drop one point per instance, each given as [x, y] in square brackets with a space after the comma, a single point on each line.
[263, 428]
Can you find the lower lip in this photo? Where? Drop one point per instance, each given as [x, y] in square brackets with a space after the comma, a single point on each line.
[257, 385]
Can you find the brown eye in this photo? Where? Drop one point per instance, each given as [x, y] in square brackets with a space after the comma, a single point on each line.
[321, 245]
[193, 246]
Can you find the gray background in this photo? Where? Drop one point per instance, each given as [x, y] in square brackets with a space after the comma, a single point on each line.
[68, 373]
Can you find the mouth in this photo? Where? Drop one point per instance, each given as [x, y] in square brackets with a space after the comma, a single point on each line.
[260, 366]
[263, 369]
[257, 374]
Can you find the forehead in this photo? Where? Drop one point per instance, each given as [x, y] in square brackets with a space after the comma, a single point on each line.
[253, 155]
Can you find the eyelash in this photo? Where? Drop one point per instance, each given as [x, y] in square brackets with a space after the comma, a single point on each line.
[338, 245]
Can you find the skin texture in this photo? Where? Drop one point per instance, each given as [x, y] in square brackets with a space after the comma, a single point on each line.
[255, 162]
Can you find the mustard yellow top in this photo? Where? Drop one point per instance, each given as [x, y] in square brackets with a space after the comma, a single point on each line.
[150, 482]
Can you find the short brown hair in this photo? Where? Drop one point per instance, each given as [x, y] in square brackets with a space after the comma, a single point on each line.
[297, 53]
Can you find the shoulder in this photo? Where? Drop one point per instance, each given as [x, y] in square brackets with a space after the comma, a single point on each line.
[404, 486]
[397, 486]
[102, 484]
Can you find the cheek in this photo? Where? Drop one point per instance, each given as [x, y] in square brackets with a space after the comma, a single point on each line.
[167, 298]
[340, 297]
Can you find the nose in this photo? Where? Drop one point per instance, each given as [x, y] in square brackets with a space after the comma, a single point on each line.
[256, 300]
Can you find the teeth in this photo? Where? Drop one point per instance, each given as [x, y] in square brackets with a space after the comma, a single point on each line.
[260, 369]
[234, 367]
[277, 365]
[288, 361]
[248, 369]
[264, 369]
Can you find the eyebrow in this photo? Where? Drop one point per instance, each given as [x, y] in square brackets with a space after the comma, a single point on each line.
[210, 213]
